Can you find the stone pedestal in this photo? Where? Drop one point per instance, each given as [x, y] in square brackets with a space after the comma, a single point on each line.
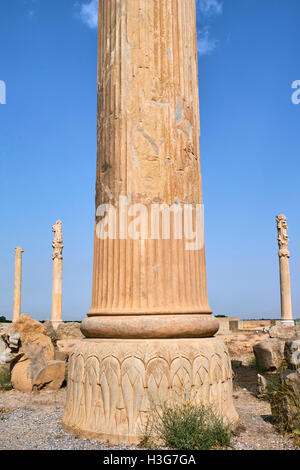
[150, 318]
[113, 385]
[18, 283]
[284, 269]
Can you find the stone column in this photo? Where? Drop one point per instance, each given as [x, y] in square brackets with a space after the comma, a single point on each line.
[148, 289]
[285, 283]
[18, 283]
[56, 316]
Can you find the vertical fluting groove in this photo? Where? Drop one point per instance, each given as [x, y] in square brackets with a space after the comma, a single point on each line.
[148, 150]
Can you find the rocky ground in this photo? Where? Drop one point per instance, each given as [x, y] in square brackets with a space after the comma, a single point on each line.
[256, 429]
[33, 421]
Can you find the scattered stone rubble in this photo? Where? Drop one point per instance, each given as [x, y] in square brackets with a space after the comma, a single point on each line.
[30, 349]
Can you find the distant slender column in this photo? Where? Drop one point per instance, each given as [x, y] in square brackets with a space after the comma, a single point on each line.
[18, 283]
[56, 316]
[285, 284]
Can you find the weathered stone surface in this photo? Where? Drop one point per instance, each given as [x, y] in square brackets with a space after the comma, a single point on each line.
[292, 381]
[50, 377]
[148, 153]
[262, 386]
[285, 282]
[292, 353]
[3, 346]
[150, 326]
[50, 331]
[66, 346]
[114, 385]
[28, 375]
[56, 314]
[18, 283]
[70, 330]
[35, 342]
[285, 332]
[30, 355]
[21, 377]
[61, 356]
[269, 354]
[148, 150]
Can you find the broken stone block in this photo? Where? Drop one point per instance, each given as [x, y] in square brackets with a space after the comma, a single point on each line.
[284, 332]
[69, 330]
[262, 386]
[269, 354]
[51, 377]
[292, 353]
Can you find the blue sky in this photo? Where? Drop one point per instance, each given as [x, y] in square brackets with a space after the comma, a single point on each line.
[248, 60]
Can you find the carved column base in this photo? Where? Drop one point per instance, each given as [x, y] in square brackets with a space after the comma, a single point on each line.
[113, 385]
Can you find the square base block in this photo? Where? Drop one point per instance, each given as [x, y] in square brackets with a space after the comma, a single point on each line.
[113, 385]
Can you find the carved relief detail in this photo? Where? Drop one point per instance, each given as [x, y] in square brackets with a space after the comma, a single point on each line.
[283, 239]
[57, 241]
[113, 386]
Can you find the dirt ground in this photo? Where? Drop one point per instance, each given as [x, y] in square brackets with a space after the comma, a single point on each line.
[33, 421]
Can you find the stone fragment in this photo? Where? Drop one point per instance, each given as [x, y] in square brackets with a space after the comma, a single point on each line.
[50, 377]
[292, 353]
[70, 330]
[285, 332]
[262, 386]
[50, 331]
[269, 355]
[35, 342]
[66, 346]
[21, 376]
[60, 356]
[291, 379]
[3, 345]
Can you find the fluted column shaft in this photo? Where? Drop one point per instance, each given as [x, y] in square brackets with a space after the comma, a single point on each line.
[56, 314]
[18, 283]
[284, 269]
[285, 290]
[148, 152]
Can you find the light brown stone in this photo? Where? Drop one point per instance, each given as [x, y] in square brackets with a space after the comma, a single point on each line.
[269, 354]
[150, 326]
[285, 281]
[70, 330]
[292, 353]
[285, 332]
[67, 345]
[21, 378]
[18, 283]
[50, 377]
[35, 342]
[114, 385]
[35, 350]
[148, 152]
[56, 314]
[152, 290]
